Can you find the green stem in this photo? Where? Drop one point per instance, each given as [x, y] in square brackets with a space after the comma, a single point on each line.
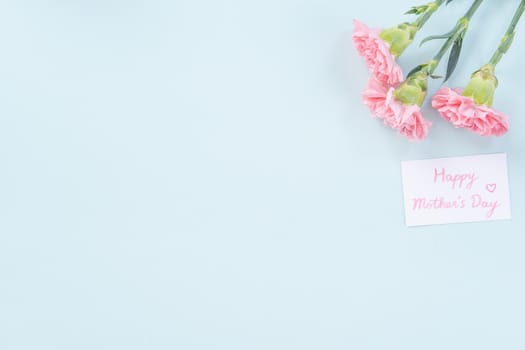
[507, 39]
[458, 31]
[421, 20]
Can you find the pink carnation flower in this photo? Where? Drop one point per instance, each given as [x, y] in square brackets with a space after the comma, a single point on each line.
[376, 53]
[407, 119]
[374, 97]
[463, 112]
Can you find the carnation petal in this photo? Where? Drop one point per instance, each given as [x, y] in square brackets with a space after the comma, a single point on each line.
[376, 53]
[462, 112]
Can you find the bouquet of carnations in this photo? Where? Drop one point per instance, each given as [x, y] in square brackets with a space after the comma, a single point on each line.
[397, 100]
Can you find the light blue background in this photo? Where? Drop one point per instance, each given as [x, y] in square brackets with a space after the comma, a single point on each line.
[203, 175]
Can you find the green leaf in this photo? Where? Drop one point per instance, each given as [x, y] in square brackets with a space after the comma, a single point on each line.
[418, 10]
[436, 37]
[454, 57]
[416, 69]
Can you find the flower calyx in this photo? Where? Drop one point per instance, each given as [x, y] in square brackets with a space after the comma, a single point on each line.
[482, 85]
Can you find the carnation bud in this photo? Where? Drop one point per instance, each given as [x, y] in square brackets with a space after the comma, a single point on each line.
[482, 86]
[399, 37]
[413, 90]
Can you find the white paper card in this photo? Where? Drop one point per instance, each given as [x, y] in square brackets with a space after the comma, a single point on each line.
[454, 190]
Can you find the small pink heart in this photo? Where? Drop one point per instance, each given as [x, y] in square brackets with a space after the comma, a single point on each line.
[491, 187]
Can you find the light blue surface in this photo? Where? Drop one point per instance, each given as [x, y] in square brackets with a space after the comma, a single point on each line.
[203, 175]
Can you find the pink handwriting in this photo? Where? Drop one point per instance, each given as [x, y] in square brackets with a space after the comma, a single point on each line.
[437, 203]
[476, 201]
[455, 180]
